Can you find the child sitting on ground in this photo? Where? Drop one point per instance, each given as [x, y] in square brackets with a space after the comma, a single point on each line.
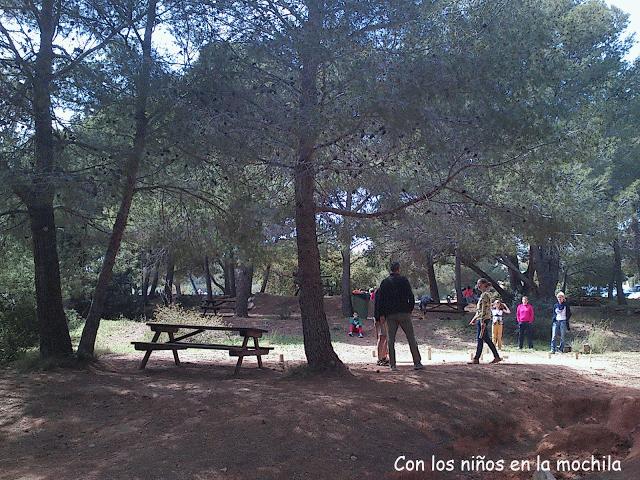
[355, 325]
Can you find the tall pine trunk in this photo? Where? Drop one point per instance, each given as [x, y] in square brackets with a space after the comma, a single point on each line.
[317, 338]
[229, 269]
[207, 275]
[617, 272]
[168, 279]
[433, 281]
[244, 280]
[635, 230]
[90, 330]
[193, 284]
[55, 341]
[546, 258]
[38, 196]
[265, 279]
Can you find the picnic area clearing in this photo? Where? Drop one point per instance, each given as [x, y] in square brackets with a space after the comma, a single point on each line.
[198, 421]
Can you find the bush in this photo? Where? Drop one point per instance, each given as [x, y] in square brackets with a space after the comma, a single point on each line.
[600, 338]
[178, 315]
[18, 325]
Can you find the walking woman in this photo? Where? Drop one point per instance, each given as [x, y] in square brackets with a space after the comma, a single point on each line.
[482, 319]
[560, 322]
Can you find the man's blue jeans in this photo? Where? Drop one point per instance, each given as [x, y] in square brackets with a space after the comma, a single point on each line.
[558, 329]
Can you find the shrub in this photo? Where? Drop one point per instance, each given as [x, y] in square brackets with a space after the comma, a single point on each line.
[18, 325]
[600, 338]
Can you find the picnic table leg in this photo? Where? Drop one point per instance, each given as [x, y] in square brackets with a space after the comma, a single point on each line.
[175, 352]
[255, 344]
[239, 363]
[147, 354]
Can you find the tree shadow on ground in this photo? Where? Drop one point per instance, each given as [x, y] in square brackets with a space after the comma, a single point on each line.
[198, 421]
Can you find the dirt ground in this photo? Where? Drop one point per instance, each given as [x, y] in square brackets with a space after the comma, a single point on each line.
[113, 421]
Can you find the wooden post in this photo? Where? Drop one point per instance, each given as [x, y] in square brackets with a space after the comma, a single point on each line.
[429, 353]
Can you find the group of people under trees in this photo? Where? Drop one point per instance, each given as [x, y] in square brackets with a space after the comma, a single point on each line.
[394, 302]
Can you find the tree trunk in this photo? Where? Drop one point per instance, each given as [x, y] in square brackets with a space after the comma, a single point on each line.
[90, 330]
[617, 272]
[458, 281]
[244, 280]
[635, 229]
[145, 285]
[207, 275]
[433, 281]
[229, 269]
[506, 296]
[154, 280]
[514, 281]
[565, 279]
[55, 341]
[178, 288]
[547, 264]
[38, 196]
[168, 279]
[317, 338]
[265, 279]
[193, 284]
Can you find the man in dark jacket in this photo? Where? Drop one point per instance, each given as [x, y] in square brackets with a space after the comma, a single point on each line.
[395, 302]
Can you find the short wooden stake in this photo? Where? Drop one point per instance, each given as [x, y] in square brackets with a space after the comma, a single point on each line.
[577, 355]
[281, 358]
[373, 353]
[549, 355]
[471, 356]
[428, 353]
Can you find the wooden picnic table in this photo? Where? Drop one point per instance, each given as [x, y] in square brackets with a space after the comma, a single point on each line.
[217, 304]
[442, 307]
[176, 343]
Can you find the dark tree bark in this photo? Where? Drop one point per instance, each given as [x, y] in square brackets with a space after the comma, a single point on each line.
[229, 269]
[168, 279]
[193, 284]
[207, 275]
[178, 288]
[244, 280]
[617, 272]
[506, 296]
[55, 341]
[635, 230]
[265, 279]
[514, 281]
[145, 285]
[38, 196]
[458, 280]
[546, 259]
[317, 338]
[433, 281]
[154, 280]
[90, 330]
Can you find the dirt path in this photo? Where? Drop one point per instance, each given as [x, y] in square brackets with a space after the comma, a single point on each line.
[197, 422]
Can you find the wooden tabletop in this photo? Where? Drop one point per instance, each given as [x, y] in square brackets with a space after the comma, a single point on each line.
[172, 326]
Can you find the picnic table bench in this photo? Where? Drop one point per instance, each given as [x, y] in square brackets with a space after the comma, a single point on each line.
[176, 343]
[442, 307]
[217, 304]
